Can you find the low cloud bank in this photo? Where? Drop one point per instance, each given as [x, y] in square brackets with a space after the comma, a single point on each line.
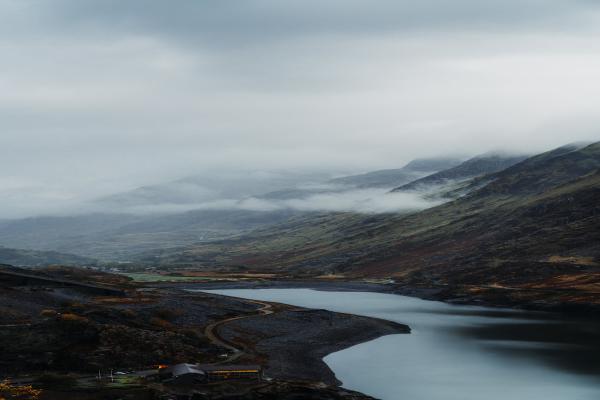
[20, 199]
[353, 200]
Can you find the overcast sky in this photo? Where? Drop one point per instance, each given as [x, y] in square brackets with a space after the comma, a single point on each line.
[98, 96]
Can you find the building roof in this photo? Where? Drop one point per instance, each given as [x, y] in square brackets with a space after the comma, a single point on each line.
[182, 369]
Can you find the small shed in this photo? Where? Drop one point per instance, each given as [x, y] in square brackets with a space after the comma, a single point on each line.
[230, 372]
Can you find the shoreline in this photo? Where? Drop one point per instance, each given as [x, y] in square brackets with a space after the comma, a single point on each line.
[293, 341]
[169, 325]
[493, 297]
[289, 341]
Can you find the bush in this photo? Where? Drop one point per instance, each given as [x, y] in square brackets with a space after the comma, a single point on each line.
[69, 317]
[128, 313]
[9, 391]
[48, 313]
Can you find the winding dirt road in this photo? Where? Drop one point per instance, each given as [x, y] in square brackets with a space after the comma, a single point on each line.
[211, 331]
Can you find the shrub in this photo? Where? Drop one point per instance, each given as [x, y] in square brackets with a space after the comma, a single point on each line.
[9, 391]
[69, 317]
[128, 313]
[48, 313]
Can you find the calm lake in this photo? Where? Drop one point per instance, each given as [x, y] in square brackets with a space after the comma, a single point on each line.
[457, 352]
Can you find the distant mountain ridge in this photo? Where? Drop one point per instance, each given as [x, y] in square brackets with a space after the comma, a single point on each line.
[394, 177]
[547, 170]
[123, 237]
[385, 178]
[120, 235]
[471, 168]
[533, 228]
[195, 190]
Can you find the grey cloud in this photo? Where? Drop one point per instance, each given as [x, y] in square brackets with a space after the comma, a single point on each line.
[217, 22]
[362, 201]
[367, 201]
[102, 96]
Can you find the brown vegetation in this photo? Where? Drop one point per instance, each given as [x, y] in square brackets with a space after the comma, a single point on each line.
[47, 313]
[8, 391]
[74, 318]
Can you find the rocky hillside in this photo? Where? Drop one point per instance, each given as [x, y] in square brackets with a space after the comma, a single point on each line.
[170, 220]
[472, 168]
[533, 225]
[544, 172]
[394, 177]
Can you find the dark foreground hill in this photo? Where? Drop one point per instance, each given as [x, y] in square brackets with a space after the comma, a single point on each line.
[534, 227]
[59, 333]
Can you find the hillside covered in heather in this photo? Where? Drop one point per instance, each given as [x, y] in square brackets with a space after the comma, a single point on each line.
[532, 226]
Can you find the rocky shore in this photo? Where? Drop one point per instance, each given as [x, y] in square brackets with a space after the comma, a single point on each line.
[559, 301]
[294, 342]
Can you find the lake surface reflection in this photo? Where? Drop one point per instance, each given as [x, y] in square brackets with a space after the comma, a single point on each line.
[458, 352]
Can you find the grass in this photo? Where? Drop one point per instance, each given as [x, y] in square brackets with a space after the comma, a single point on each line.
[142, 277]
[118, 382]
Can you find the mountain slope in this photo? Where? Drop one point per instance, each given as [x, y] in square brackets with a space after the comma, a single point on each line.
[545, 171]
[474, 167]
[31, 258]
[194, 190]
[115, 237]
[386, 178]
[532, 226]
[46, 233]
[155, 216]
[394, 177]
